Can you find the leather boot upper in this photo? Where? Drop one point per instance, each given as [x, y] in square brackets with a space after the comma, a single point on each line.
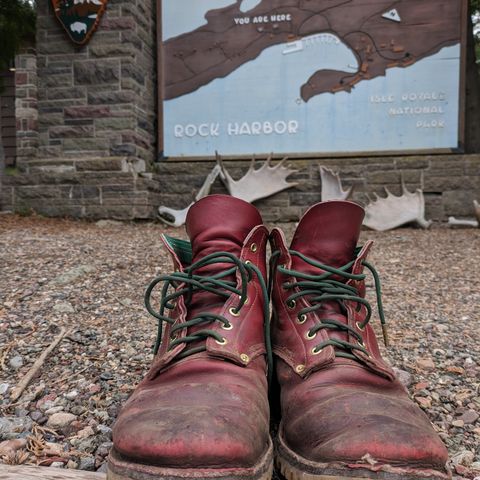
[204, 401]
[339, 399]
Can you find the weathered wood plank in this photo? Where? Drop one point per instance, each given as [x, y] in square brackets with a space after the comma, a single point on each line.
[8, 472]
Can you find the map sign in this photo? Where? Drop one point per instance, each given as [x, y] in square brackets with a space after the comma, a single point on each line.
[310, 76]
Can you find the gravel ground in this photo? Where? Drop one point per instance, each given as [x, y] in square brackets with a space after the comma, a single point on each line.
[90, 279]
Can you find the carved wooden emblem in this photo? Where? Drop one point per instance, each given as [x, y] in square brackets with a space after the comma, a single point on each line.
[79, 18]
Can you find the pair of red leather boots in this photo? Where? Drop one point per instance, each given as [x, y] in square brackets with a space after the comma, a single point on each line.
[203, 411]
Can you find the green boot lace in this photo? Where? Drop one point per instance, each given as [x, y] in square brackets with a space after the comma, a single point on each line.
[317, 289]
[186, 283]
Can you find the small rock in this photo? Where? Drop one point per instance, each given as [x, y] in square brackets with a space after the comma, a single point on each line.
[71, 395]
[104, 449]
[4, 388]
[458, 423]
[16, 362]
[469, 417]
[36, 415]
[405, 377]
[425, 402]
[54, 410]
[87, 463]
[9, 447]
[72, 465]
[12, 427]
[57, 465]
[456, 370]
[106, 376]
[86, 432]
[74, 274]
[104, 430]
[60, 420]
[63, 307]
[465, 458]
[426, 364]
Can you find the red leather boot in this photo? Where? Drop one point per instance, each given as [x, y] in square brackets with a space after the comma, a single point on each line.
[344, 414]
[202, 411]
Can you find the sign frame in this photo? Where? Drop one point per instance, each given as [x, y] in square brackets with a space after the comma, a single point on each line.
[460, 149]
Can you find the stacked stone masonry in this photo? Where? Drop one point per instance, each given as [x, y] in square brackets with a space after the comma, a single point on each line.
[98, 100]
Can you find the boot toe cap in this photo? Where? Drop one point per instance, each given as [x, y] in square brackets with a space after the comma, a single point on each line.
[348, 426]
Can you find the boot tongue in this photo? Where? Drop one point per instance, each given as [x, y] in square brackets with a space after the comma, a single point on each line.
[220, 223]
[217, 223]
[327, 233]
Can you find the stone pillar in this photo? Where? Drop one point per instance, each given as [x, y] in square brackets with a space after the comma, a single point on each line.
[26, 110]
[99, 100]
[96, 118]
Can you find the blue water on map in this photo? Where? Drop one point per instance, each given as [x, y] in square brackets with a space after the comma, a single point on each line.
[247, 5]
[375, 116]
[180, 16]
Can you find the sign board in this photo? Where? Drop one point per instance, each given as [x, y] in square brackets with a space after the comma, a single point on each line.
[310, 77]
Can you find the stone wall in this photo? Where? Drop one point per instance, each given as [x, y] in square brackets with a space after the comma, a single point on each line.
[450, 183]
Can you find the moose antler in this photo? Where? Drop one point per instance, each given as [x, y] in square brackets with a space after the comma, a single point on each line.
[256, 184]
[332, 186]
[391, 212]
[455, 222]
[176, 218]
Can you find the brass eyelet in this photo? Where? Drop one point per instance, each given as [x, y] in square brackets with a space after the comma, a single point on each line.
[248, 262]
[233, 312]
[291, 304]
[245, 358]
[227, 327]
[300, 368]
[301, 319]
[223, 342]
[359, 326]
[253, 247]
[308, 336]
[316, 351]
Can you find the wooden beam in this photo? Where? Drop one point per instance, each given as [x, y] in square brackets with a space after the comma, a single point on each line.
[21, 472]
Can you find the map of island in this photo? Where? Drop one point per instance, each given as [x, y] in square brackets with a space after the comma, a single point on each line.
[382, 34]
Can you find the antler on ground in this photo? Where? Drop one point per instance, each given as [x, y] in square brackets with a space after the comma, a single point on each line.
[393, 211]
[332, 186]
[261, 183]
[455, 222]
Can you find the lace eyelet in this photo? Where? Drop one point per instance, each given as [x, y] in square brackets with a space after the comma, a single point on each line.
[316, 351]
[227, 327]
[253, 247]
[245, 358]
[291, 304]
[359, 326]
[301, 319]
[223, 342]
[248, 262]
[300, 368]
[308, 336]
[233, 312]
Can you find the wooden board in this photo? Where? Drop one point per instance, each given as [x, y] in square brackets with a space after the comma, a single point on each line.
[8, 472]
